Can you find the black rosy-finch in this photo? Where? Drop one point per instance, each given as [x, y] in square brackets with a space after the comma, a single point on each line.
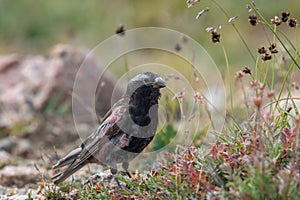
[125, 131]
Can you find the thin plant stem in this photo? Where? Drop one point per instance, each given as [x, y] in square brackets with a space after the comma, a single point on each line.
[256, 68]
[288, 40]
[285, 78]
[261, 71]
[125, 60]
[271, 28]
[229, 75]
[235, 28]
[266, 73]
[245, 99]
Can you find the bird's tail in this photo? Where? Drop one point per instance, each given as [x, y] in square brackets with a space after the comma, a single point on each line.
[69, 159]
[61, 176]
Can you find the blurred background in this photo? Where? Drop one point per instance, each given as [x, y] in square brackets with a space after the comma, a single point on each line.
[33, 27]
[42, 44]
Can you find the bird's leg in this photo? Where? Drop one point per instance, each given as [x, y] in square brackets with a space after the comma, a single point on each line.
[114, 172]
[125, 166]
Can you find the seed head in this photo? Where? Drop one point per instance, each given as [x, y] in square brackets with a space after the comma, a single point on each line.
[292, 22]
[120, 30]
[285, 16]
[215, 36]
[288, 110]
[253, 20]
[210, 29]
[238, 74]
[266, 56]
[254, 84]
[276, 21]
[198, 96]
[261, 50]
[257, 101]
[232, 19]
[261, 86]
[247, 70]
[273, 46]
[270, 94]
[190, 3]
[201, 13]
[273, 49]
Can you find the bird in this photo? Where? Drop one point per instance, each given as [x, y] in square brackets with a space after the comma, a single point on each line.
[126, 129]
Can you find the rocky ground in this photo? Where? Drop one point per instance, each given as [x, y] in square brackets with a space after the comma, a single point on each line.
[36, 124]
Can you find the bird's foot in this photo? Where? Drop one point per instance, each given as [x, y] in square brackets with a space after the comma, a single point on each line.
[118, 183]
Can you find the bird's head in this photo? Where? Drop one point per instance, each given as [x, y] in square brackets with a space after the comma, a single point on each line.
[143, 92]
[147, 82]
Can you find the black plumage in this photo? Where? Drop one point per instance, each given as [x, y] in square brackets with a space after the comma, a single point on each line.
[126, 130]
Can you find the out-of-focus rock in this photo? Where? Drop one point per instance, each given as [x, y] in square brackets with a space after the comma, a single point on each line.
[16, 146]
[18, 175]
[7, 144]
[15, 193]
[2, 190]
[8, 61]
[24, 148]
[18, 197]
[288, 106]
[29, 83]
[4, 158]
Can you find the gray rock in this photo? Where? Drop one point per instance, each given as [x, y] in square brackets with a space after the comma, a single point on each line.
[4, 157]
[18, 175]
[16, 146]
[7, 144]
[2, 190]
[28, 84]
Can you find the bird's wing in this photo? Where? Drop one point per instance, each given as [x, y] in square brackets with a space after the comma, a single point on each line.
[106, 122]
[106, 130]
[77, 158]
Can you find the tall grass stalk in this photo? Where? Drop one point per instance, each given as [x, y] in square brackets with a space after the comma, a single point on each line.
[275, 33]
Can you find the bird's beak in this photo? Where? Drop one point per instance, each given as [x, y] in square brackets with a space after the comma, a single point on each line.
[159, 83]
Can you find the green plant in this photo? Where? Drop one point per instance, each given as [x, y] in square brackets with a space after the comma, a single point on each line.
[97, 192]
[163, 137]
[256, 155]
[52, 192]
